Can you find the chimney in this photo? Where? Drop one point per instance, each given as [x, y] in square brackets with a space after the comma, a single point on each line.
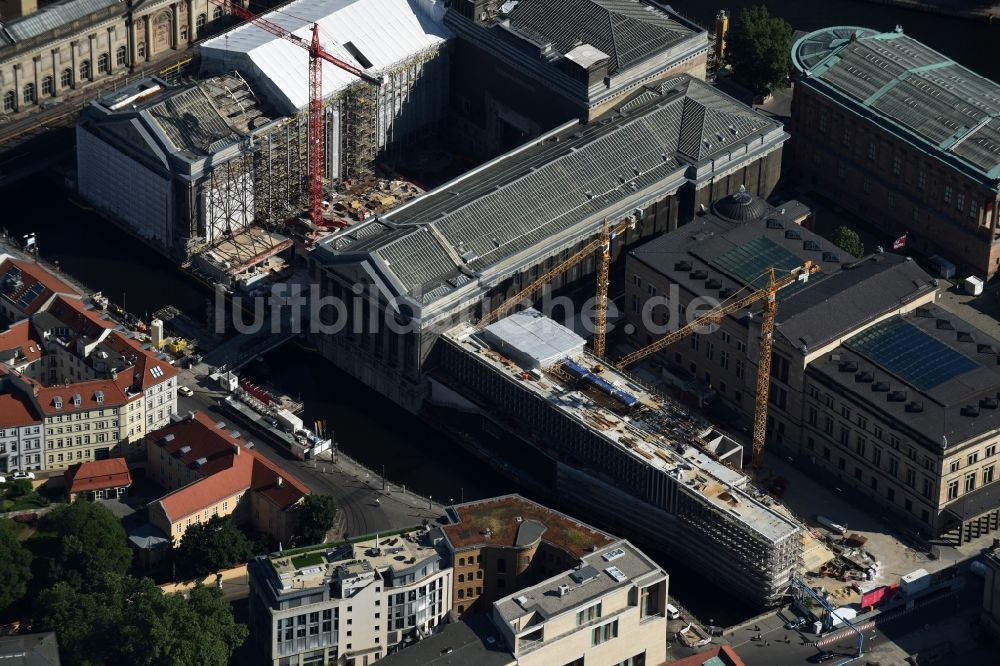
[281, 482]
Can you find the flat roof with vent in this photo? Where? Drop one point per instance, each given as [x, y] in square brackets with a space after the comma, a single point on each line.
[934, 376]
[584, 585]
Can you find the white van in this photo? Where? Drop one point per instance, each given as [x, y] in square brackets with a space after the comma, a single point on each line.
[672, 612]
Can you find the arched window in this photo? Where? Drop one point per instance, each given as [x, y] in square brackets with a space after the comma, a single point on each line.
[461, 561]
[48, 86]
[140, 48]
[66, 79]
[103, 63]
[29, 93]
[461, 578]
[199, 24]
[9, 99]
[121, 55]
[217, 13]
[85, 70]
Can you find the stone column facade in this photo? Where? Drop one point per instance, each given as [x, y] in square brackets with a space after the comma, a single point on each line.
[147, 36]
[175, 16]
[93, 57]
[37, 61]
[190, 16]
[18, 87]
[74, 63]
[56, 73]
[112, 55]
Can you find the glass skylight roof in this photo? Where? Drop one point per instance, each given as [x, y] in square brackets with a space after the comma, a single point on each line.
[750, 261]
[911, 354]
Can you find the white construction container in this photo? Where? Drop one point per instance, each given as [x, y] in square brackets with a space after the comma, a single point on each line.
[832, 526]
[915, 581]
[973, 285]
[843, 614]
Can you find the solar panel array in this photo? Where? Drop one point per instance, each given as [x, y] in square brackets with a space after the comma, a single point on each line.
[909, 353]
[28, 297]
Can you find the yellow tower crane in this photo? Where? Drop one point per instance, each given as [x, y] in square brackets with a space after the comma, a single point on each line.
[768, 294]
[603, 268]
[602, 241]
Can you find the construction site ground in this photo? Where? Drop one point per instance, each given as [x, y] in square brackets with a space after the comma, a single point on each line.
[806, 498]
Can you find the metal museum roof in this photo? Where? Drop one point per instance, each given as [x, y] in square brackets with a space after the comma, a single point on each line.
[382, 32]
[905, 87]
[50, 17]
[553, 190]
[624, 31]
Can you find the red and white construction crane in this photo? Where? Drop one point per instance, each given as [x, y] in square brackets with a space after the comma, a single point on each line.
[317, 54]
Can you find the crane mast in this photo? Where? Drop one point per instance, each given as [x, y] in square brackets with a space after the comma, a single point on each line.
[769, 295]
[535, 286]
[317, 54]
[603, 268]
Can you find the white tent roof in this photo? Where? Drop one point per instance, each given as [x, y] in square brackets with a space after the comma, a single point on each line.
[385, 32]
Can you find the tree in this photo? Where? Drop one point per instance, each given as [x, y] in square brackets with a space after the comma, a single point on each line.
[759, 49]
[316, 516]
[91, 545]
[847, 239]
[129, 620]
[207, 547]
[20, 488]
[15, 568]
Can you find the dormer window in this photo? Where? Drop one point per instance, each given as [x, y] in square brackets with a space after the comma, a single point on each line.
[76, 400]
[99, 397]
[57, 402]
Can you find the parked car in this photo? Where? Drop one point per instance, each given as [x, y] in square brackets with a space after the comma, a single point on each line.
[185, 391]
[795, 623]
[822, 657]
[17, 476]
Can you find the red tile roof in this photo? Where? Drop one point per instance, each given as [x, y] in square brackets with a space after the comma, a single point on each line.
[78, 318]
[97, 475]
[21, 335]
[45, 397]
[725, 654]
[32, 274]
[224, 472]
[16, 410]
[145, 360]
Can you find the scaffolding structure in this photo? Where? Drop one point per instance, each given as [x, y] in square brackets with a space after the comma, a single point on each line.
[360, 130]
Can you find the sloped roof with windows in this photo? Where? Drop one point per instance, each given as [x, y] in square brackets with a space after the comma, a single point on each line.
[904, 86]
[628, 31]
[28, 286]
[225, 464]
[553, 190]
[50, 17]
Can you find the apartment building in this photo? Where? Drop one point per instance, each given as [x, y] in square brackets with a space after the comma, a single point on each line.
[94, 390]
[903, 136]
[506, 543]
[348, 604]
[873, 387]
[608, 609]
[212, 470]
[20, 434]
[50, 52]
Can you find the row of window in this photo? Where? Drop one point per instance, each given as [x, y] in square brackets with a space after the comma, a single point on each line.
[29, 95]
